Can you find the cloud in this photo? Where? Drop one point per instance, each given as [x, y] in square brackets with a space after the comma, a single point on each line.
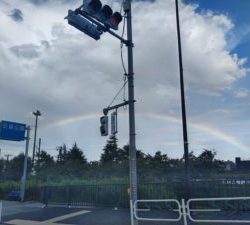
[241, 93]
[29, 51]
[62, 72]
[44, 2]
[4, 3]
[38, 2]
[16, 15]
[26, 50]
[238, 36]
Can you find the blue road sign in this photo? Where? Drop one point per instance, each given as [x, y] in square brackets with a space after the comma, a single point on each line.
[12, 131]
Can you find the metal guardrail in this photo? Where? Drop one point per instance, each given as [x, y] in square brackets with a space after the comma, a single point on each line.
[178, 209]
[223, 200]
[185, 210]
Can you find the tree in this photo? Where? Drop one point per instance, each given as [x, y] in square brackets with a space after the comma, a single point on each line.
[2, 165]
[14, 168]
[205, 159]
[62, 153]
[45, 159]
[75, 154]
[75, 162]
[44, 165]
[160, 158]
[110, 151]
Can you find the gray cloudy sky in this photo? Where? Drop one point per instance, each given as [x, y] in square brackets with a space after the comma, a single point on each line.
[48, 65]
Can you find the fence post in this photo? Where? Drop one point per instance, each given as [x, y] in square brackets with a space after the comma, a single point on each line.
[45, 195]
[131, 212]
[1, 208]
[184, 212]
[68, 196]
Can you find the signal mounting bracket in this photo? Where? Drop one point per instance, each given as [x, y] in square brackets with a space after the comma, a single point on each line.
[106, 110]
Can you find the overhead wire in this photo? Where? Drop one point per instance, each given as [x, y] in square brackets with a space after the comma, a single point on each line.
[118, 93]
[123, 64]
[122, 59]
[123, 1]
[121, 46]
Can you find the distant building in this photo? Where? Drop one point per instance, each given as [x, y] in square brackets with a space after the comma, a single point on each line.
[242, 164]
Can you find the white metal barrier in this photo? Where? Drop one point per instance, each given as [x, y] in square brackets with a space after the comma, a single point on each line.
[178, 209]
[189, 209]
[1, 208]
[185, 211]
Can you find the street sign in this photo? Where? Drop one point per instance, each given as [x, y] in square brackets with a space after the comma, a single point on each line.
[114, 123]
[12, 131]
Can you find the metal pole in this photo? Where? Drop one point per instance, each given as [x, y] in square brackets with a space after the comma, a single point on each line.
[183, 105]
[39, 148]
[36, 114]
[131, 212]
[184, 211]
[132, 144]
[23, 180]
[7, 157]
[1, 208]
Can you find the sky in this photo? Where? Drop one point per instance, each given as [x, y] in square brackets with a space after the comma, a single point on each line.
[48, 65]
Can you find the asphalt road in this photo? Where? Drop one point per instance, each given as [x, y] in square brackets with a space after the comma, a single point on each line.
[35, 214]
[15, 207]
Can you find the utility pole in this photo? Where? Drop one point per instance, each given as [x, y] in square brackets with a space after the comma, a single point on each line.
[183, 106]
[94, 21]
[7, 157]
[131, 100]
[39, 148]
[36, 114]
[24, 177]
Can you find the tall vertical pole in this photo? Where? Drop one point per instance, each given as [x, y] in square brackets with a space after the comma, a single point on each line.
[39, 148]
[183, 105]
[36, 114]
[24, 177]
[7, 157]
[132, 144]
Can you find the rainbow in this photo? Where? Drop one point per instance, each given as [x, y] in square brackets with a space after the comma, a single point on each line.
[205, 128]
[199, 126]
[73, 119]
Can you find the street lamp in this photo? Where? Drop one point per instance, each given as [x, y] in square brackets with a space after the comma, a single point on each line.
[94, 20]
[183, 106]
[36, 114]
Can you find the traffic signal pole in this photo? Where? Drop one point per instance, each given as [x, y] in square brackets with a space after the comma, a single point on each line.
[86, 27]
[132, 134]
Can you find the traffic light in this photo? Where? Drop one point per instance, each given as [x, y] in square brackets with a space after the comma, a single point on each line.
[83, 25]
[114, 21]
[104, 125]
[91, 6]
[103, 14]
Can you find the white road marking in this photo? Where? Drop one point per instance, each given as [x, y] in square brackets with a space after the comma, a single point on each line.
[30, 222]
[67, 216]
[47, 222]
